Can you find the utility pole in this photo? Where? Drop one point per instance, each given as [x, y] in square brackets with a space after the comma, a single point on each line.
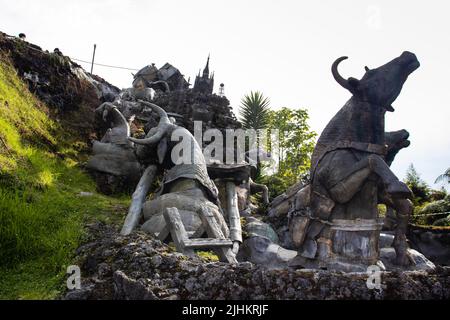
[93, 58]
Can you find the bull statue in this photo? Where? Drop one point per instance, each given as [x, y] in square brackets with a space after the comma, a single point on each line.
[187, 204]
[350, 176]
[114, 163]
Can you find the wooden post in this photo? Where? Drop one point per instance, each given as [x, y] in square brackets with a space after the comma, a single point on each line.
[233, 213]
[93, 58]
[134, 213]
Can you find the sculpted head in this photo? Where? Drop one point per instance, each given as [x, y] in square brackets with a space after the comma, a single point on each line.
[380, 86]
[395, 141]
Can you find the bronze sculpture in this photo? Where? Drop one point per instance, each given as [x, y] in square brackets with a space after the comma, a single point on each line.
[349, 175]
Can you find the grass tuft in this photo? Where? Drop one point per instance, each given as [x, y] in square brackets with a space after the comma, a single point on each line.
[42, 210]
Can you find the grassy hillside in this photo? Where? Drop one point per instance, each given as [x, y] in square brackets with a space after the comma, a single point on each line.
[45, 197]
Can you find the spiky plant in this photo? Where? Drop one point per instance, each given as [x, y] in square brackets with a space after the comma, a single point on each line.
[444, 177]
[254, 111]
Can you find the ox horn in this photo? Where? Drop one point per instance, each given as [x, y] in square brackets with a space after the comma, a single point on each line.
[164, 83]
[343, 82]
[161, 129]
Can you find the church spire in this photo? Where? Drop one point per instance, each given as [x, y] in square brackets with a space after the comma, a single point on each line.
[206, 70]
[203, 82]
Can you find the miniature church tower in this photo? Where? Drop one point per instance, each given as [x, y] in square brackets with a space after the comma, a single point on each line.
[204, 83]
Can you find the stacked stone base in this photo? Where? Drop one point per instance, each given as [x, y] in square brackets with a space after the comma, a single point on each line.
[139, 267]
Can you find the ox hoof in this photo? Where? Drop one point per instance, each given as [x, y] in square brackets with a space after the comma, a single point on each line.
[401, 249]
[399, 189]
[402, 260]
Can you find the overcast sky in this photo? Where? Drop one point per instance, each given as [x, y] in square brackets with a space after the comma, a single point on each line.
[282, 48]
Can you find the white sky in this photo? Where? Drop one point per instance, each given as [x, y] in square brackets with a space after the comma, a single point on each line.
[282, 48]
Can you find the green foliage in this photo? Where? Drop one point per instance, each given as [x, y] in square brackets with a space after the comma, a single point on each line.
[436, 206]
[21, 117]
[382, 210]
[445, 177]
[208, 256]
[443, 222]
[429, 213]
[296, 143]
[419, 187]
[254, 111]
[275, 183]
[438, 194]
[42, 211]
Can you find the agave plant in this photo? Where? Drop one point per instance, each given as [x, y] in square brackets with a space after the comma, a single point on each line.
[254, 111]
[444, 177]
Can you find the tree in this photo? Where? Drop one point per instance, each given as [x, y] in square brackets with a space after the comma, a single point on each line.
[254, 114]
[419, 187]
[254, 111]
[445, 177]
[296, 143]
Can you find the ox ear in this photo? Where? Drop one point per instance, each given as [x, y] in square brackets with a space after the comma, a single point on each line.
[366, 68]
[162, 150]
[354, 83]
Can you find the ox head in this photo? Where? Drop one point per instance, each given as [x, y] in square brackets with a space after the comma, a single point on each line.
[395, 141]
[380, 86]
[157, 135]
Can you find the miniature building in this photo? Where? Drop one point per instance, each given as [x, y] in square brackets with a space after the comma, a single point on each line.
[173, 77]
[147, 74]
[204, 83]
[166, 73]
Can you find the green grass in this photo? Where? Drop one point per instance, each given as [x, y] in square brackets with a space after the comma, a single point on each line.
[42, 214]
[208, 256]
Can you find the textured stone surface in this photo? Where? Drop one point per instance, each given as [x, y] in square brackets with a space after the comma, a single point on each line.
[70, 93]
[386, 240]
[263, 252]
[156, 223]
[139, 267]
[255, 227]
[433, 242]
[418, 260]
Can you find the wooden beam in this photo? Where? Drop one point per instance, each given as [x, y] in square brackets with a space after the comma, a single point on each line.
[137, 202]
[201, 243]
[177, 231]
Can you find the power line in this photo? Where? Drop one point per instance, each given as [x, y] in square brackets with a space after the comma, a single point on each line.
[80, 60]
[104, 65]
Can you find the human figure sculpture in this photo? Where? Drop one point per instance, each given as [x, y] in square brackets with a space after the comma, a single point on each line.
[186, 190]
[349, 173]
